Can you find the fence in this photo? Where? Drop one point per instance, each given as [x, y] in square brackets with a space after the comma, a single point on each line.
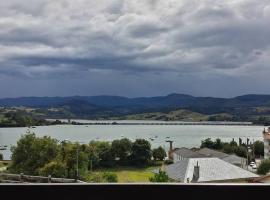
[21, 178]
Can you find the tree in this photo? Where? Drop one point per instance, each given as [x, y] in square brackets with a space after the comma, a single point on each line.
[110, 177]
[264, 167]
[53, 168]
[160, 177]
[258, 148]
[207, 143]
[233, 143]
[1, 156]
[32, 153]
[105, 154]
[70, 151]
[141, 152]
[159, 153]
[122, 149]
[218, 144]
[240, 151]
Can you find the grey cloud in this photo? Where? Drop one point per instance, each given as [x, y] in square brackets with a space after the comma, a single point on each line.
[199, 39]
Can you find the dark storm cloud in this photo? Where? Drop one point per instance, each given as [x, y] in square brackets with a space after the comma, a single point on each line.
[189, 43]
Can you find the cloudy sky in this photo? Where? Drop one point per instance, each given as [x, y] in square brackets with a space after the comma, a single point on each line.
[134, 48]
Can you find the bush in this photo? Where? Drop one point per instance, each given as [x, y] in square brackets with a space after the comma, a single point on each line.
[110, 177]
[53, 168]
[160, 177]
[159, 153]
[264, 167]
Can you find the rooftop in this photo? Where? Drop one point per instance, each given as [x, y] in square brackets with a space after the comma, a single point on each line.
[212, 153]
[210, 170]
[187, 153]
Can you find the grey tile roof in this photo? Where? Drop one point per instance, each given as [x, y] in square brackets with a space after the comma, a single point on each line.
[211, 169]
[234, 159]
[177, 171]
[212, 153]
[187, 153]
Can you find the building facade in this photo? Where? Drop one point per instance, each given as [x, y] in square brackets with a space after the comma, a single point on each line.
[266, 140]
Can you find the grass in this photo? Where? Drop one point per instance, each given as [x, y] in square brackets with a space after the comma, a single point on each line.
[4, 163]
[129, 174]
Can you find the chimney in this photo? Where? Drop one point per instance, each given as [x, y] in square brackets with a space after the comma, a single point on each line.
[196, 173]
[170, 153]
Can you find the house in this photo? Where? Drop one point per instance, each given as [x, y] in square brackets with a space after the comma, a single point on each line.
[185, 153]
[201, 170]
[233, 159]
[266, 141]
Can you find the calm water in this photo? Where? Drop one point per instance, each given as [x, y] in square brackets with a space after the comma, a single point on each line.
[185, 135]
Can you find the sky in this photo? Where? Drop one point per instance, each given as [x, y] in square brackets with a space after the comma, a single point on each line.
[132, 48]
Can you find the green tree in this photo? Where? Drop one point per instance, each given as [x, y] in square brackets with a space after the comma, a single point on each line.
[218, 144]
[264, 167]
[32, 153]
[233, 143]
[1, 156]
[105, 154]
[122, 149]
[110, 177]
[240, 151]
[141, 152]
[159, 153]
[258, 148]
[53, 168]
[70, 159]
[160, 177]
[207, 143]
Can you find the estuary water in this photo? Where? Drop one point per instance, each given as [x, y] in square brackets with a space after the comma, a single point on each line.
[182, 135]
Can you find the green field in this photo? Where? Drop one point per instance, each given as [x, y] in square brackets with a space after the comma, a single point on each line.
[129, 174]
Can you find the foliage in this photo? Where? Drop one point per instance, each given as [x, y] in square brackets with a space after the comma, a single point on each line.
[1, 156]
[122, 149]
[218, 144]
[32, 153]
[264, 167]
[258, 148]
[159, 153]
[110, 177]
[207, 143]
[160, 177]
[53, 168]
[141, 152]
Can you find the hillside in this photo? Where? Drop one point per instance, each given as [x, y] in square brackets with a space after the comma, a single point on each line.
[254, 108]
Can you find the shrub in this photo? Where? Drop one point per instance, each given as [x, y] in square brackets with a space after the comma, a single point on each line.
[110, 177]
[160, 177]
[264, 167]
[159, 153]
[53, 168]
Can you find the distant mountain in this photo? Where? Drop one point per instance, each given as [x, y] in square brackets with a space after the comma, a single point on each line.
[171, 100]
[105, 106]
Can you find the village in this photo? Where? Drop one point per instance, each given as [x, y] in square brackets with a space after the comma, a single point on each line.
[183, 165]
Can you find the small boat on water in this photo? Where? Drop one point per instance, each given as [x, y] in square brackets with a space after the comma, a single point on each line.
[3, 148]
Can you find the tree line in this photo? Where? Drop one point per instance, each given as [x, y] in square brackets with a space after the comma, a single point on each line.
[232, 147]
[47, 156]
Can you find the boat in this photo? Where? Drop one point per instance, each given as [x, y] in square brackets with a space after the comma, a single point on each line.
[3, 148]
